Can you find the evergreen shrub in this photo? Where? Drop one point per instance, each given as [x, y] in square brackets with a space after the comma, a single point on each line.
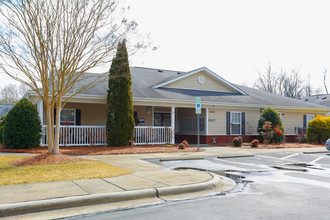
[237, 142]
[22, 126]
[120, 113]
[318, 130]
[271, 115]
[1, 127]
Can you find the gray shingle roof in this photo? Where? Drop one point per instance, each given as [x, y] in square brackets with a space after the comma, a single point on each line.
[321, 99]
[4, 109]
[143, 79]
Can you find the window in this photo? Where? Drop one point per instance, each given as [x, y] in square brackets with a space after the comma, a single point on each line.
[190, 124]
[162, 119]
[309, 118]
[68, 117]
[235, 122]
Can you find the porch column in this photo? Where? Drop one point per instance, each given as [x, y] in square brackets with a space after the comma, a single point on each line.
[40, 108]
[207, 121]
[173, 123]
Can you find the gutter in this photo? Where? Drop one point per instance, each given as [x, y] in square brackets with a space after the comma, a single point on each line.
[170, 102]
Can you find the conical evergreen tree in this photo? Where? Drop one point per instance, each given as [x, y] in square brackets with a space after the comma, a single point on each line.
[120, 118]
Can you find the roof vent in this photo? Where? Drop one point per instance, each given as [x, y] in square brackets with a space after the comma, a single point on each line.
[160, 71]
[324, 97]
[178, 72]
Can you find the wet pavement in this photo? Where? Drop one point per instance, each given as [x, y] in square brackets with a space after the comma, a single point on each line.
[290, 185]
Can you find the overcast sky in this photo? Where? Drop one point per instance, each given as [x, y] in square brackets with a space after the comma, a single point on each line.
[235, 38]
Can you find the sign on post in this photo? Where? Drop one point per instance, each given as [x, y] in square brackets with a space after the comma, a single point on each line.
[198, 112]
[198, 105]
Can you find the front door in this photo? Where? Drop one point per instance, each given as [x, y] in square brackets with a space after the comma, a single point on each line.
[162, 119]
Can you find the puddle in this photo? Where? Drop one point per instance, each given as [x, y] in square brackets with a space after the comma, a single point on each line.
[309, 166]
[299, 164]
[289, 168]
[232, 174]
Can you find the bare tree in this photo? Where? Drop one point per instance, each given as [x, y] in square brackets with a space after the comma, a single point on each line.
[289, 85]
[50, 45]
[267, 81]
[9, 94]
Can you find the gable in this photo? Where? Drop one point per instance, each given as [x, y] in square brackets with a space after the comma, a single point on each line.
[210, 83]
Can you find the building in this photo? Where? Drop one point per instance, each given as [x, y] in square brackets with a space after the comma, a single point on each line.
[164, 105]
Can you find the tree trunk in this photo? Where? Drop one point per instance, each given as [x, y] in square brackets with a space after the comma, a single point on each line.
[56, 150]
[50, 128]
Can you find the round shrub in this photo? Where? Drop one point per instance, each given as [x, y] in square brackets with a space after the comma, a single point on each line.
[254, 143]
[22, 126]
[271, 115]
[237, 141]
[318, 130]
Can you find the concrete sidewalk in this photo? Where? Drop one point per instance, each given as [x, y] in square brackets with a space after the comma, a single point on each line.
[148, 181]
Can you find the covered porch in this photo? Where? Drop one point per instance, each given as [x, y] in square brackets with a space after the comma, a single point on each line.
[83, 124]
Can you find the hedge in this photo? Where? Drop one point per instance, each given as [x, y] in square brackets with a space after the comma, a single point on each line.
[318, 130]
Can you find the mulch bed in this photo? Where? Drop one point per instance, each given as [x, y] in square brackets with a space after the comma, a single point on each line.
[101, 150]
[44, 159]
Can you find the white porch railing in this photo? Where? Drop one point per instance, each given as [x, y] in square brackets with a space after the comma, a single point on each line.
[152, 135]
[96, 135]
[77, 135]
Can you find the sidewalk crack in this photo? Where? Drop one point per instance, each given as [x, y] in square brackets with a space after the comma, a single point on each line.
[114, 184]
[152, 180]
[80, 186]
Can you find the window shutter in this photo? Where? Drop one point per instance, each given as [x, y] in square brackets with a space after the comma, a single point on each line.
[305, 121]
[243, 123]
[78, 117]
[228, 123]
[135, 118]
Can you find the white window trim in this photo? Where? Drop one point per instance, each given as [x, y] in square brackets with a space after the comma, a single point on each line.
[231, 127]
[309, 120]
[74, 118]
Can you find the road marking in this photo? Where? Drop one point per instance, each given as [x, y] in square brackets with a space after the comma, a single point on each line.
[314, 161]
[292, 155]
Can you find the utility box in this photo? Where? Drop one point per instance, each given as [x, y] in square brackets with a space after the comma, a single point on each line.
[327, 144]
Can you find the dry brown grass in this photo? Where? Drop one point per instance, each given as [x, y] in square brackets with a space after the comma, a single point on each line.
[53, 168]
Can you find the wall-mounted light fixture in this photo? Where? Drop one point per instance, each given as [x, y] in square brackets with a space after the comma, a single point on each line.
[149, 109]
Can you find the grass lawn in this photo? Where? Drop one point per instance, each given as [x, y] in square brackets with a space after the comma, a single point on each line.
[84, 169]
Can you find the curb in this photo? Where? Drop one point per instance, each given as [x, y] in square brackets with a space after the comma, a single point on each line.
[58, 203]
[236, 156]
[315, 152]
[181, 158]
[165, 191]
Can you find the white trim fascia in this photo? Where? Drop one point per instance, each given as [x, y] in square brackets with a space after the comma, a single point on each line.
[79, 96]
[170, 102]
[216, 76]
[225, 104]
